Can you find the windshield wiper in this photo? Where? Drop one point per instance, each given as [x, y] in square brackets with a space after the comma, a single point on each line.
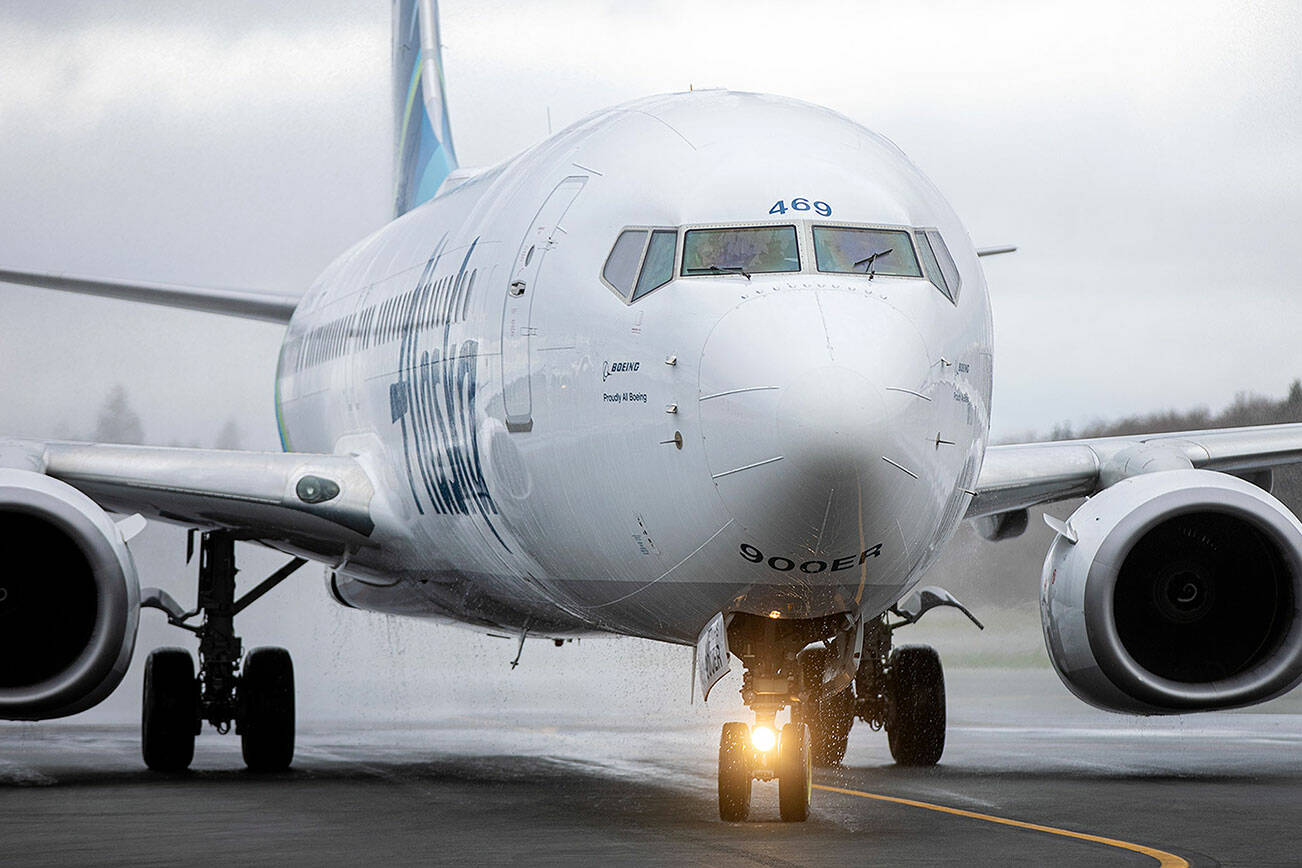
[725, 269]
[867, 262]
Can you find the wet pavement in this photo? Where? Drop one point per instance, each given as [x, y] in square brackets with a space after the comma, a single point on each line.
[551, 786]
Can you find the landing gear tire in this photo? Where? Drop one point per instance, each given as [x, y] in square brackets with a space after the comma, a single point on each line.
[795, 781]
[169, 717]
[829, 730]
[916, 688]
[734, 772]
[266, 716]
[829, 717]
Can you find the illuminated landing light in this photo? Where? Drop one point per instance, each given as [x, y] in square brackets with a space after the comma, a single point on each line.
[775, 614]
[764, 738]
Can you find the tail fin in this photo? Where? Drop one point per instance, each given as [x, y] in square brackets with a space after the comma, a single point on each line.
[422, 134]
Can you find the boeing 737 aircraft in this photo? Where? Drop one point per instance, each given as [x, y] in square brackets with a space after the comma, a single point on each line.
[656, 377]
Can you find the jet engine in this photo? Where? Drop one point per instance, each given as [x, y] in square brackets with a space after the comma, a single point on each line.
[1176, 591]
[69, 599]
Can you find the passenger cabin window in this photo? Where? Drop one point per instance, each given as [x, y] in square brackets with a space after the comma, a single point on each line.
[846, 250]
[621, 265]
[941, 269]
[749, 250]
[658, 264]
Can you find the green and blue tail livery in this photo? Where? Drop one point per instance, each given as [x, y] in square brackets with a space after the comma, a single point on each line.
[422, 134]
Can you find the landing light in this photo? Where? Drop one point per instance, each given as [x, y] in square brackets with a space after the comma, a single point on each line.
[764, 738]
[314, 489]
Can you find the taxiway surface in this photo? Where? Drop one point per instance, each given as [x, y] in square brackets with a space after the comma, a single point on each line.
[539, 787]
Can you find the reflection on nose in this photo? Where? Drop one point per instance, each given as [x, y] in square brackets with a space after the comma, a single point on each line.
[811, 415]
[829, 421]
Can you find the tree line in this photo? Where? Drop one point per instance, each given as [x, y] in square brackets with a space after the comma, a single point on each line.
[118, 422]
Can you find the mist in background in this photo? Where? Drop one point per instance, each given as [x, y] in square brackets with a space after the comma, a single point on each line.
[1146, 158]
[363, 667]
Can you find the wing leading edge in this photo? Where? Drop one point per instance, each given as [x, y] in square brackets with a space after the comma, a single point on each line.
[1019, 476]
[248, 304]
[316, 505]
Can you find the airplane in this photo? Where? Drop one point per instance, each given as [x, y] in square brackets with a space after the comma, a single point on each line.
[710, 368]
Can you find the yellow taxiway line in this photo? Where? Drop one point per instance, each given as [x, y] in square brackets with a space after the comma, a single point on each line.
[1165, 859]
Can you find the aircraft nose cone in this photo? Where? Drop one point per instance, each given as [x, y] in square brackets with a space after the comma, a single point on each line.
[828, 420]
[810, 402]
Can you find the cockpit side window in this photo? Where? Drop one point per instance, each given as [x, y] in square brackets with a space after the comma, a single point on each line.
[848, 250]
[932, 266]
[620, 270]
[940, 266]
[658, 264]
[947, 266]
[744, 250]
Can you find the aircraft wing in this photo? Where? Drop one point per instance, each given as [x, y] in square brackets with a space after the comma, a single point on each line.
[249, 304]
[1018, 476]
[319, 506]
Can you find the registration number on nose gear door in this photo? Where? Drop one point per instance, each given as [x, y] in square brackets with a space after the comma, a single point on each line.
[786, 565]
[712, 658]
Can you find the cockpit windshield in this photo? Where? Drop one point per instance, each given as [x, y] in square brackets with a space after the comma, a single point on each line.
[744, 250]
[846, 250]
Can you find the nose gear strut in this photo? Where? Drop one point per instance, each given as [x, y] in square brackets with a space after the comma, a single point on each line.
[829, 671]
[772, 680]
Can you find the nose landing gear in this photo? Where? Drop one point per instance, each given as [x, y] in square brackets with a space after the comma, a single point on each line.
[829, 671]
[747, 755]
[736, 772]
[771, 681]
[795, 773]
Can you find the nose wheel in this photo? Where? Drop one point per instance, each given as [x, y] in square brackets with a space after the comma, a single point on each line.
[809, 667]
[795, 775]
[747, 755]
[735, 772]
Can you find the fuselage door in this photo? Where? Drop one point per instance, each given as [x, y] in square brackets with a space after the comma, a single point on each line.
[543, 234]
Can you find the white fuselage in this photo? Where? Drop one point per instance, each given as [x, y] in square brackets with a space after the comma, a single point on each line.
[550, 456]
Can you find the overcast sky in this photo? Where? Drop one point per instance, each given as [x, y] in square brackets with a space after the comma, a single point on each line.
[1146, 157]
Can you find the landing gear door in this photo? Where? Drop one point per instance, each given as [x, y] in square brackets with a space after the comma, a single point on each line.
[712, 658]
[544, 233]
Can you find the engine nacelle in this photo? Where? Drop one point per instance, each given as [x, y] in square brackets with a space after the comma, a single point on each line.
[69, 599]
[1181, 592]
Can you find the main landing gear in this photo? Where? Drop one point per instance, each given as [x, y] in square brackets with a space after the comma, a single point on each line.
[257, 697]
[829, 671]
[902, 691]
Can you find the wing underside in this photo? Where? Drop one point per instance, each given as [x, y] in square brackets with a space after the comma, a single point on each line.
[1019, 476]
[316, 505]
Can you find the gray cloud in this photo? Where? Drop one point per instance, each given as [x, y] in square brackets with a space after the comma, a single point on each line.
[1146, 157]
